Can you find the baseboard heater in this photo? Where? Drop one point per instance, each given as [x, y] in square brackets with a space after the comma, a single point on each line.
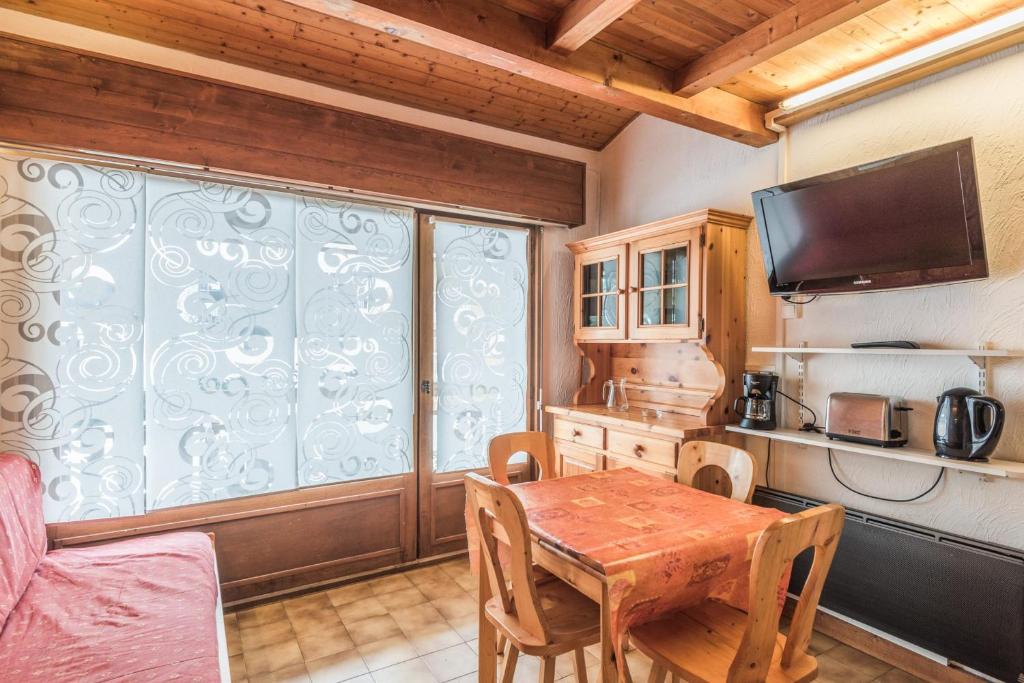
[954, 596]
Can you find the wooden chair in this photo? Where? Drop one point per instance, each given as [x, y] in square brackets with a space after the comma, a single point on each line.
[537, 445]
[715, 643]
[539, 617]
[717, 468]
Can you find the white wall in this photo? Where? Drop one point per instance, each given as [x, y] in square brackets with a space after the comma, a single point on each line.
[655, 169]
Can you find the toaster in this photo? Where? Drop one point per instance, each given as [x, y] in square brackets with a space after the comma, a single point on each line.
[866, 418]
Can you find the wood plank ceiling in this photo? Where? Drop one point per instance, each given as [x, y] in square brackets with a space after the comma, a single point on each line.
[575, 71]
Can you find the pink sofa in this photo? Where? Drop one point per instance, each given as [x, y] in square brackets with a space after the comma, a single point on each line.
[145, 609]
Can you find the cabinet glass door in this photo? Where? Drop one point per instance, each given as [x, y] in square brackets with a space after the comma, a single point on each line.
[600, 302]
[665, 303]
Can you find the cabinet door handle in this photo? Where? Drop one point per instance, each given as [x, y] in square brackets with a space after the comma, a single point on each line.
[633, 290]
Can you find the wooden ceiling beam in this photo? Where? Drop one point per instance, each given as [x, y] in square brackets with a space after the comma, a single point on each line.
[487, 33]
[581, 20]
[791, 27]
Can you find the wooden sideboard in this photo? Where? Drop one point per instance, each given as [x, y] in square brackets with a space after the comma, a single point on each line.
[662, 306]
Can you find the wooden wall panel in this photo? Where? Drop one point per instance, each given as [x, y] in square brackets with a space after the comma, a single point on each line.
[52, 96]
[283, 540]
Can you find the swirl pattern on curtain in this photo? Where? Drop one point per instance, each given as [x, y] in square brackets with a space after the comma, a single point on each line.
[480, 327]
[220, 325]
[71, 330]
[354, 347]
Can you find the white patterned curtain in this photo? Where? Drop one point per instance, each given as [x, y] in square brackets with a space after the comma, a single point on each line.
[166, 342]
[71, 241]
[480, 339]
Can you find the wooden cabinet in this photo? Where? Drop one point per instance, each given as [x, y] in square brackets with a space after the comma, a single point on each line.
[663, 307]
[599, 303]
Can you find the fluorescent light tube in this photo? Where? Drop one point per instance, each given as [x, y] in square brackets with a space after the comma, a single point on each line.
[980, 32]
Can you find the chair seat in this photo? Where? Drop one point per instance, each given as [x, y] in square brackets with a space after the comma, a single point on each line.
[699, 645]
[573, 620]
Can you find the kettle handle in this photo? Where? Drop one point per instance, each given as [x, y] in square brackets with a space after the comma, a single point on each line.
[983, 444]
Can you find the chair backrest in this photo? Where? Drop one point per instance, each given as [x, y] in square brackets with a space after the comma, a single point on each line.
[501, 522]
[537, 445]
[701, 464]
[786, 538]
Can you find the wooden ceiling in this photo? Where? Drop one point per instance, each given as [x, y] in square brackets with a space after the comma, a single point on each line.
[575, 71]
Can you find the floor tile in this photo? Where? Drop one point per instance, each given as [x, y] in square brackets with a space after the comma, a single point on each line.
[361, 609]
[897, 676]
[387, 652]
[831, 670]
[390, 584]
[341, 666]
[426, 574]
[255, 637]
[417, 617]
[292, 674]
[468, 627]
[820, 643]
[328, 641]
[858, 661]
[441, 588]
[456, 606]
[312, 620]
[406, 597]
[432, 638]
[373, 629]
[343, 595]
[451, 662]
[237, 666]
[412, 671]
[272, 657]
[264, 614]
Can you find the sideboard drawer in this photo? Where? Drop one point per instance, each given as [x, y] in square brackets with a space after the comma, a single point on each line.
[649, 449]
[614, 462]
[577, 432]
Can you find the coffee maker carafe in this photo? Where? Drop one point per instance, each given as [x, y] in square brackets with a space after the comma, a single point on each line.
[757, 405]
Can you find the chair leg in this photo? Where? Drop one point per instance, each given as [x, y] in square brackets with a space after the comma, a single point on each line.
[502, 641]
[579, 662]
[547, 670]
[509, 671]
[657, 674]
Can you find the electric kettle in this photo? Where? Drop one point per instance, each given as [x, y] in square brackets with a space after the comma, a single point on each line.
[967, 425]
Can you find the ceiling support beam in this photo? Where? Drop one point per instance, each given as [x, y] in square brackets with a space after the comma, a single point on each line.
[487, 33]
[797, 24]
[582, 20]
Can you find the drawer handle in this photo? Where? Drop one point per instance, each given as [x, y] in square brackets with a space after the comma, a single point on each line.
[576, 433]
[638, 450]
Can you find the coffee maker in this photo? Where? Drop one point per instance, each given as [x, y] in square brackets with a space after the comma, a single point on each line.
[757, 405]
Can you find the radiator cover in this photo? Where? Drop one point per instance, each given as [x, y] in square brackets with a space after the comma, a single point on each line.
[957, 597]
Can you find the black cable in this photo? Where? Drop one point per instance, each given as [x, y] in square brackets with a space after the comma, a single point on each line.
[768, 465]
[812, 426]
[931, 488]
[789, 300]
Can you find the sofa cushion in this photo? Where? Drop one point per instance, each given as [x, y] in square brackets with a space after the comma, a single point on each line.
[22, 531]
[141, 609]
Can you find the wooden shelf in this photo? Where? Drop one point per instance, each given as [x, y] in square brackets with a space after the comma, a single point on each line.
[993, 468]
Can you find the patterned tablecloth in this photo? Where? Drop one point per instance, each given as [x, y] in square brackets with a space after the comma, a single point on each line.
[662, 545]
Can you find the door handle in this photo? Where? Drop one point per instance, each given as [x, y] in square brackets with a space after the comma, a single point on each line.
[425, 386]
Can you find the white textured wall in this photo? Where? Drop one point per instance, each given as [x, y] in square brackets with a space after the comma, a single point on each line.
[654, 170]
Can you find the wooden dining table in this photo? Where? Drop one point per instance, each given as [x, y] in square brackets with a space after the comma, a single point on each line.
[637, 545]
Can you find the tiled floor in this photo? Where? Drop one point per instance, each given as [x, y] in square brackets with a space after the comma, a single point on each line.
[420, 627]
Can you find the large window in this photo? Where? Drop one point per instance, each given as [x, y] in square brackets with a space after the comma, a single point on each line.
[166, 342]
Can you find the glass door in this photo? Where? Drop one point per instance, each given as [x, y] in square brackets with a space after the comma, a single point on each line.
[600, 300]
[476, 325]
[665, 287]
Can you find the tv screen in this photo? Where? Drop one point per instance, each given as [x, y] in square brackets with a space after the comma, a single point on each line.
[908, 221]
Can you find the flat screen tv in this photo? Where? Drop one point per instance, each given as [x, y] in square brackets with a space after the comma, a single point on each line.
[908, 221]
